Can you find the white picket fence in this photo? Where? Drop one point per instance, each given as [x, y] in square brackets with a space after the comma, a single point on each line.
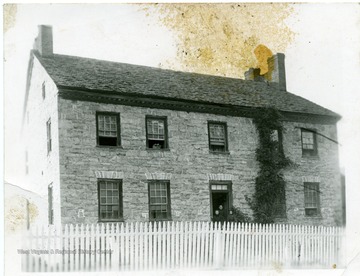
[172, 245]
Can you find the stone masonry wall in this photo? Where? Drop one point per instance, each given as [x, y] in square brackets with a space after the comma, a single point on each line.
[43, 168]
[188, 164]
[323, 168]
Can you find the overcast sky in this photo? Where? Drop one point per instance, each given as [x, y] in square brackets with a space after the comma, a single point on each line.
[322, 62]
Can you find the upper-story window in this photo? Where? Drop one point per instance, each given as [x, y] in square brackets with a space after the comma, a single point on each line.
[217, 137]
[308, 143]
[156, 132]
[312, 198]
[48, 135]
[276, 136]
[43, 90]
[108, 129]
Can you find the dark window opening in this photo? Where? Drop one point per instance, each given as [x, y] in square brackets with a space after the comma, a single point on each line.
[156, 133]
[110, 200]
[217, 137]
[159, 200]
[308, 143]
[312, 198]
[108, 141]
[108, 129]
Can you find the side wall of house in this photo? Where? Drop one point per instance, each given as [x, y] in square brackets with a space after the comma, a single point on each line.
[187, 164]
[323, 169]
[42, 167]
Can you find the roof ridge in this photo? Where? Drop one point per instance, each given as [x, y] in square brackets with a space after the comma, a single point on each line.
[140, 65]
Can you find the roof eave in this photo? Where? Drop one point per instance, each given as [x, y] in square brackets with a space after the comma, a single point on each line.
[160, 102]
[28, 82]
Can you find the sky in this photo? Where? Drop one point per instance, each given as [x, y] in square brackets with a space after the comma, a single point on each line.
[321, 43]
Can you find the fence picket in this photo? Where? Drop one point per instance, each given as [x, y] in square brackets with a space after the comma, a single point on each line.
[177, 246]
[169, 245]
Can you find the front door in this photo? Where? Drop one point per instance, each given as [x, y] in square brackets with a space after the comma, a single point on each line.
[220, 201]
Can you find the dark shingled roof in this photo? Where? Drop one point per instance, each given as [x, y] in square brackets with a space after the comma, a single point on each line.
[99, 75]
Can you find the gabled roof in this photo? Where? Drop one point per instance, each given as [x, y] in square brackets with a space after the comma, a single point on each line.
[104, 76]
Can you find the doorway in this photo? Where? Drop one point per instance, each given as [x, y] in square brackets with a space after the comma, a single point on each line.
[220, 196]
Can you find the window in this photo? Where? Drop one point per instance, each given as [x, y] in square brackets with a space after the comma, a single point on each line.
[308, 142]
[50, 204]
[156, 132]
[43, 89]
[108, 129]
[48, 135]
[110, 200]
[276, 136]
[217, 137]
[312, 198]
[280, 204]
[159, 200]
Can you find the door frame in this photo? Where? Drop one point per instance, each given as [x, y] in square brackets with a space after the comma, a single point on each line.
[228, 183]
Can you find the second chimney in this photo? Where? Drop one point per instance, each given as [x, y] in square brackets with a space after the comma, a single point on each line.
[44, 41]
[276, 70]
[275, 74]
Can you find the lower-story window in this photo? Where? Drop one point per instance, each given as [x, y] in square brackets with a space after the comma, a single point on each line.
[159, 200]
[110, 200]
[50, 204]
[312, 198]
[280, 204]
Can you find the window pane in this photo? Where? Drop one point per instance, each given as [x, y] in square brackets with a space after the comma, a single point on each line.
[109, 200]
[219, 187]
[158, 200]
[217, 134]
[311, 191]
[107, 125]
[275, 135]
[307, 140]
[156, 129]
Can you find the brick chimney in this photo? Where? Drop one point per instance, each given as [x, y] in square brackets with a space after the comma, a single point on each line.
[275, 74]
[44, 41]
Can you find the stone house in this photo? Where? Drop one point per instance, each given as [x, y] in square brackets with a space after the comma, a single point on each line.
[110, 141]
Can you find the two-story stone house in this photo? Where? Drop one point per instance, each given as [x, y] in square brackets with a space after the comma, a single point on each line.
[110, 141]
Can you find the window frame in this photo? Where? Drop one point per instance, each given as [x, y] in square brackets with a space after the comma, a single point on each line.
[118, 129]
[317, 190]
[228, 191]
[166, 140]
[120, 203]
[226, 147]
[168, 195]
[50, 204]
[48, 136]
[309, 152]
